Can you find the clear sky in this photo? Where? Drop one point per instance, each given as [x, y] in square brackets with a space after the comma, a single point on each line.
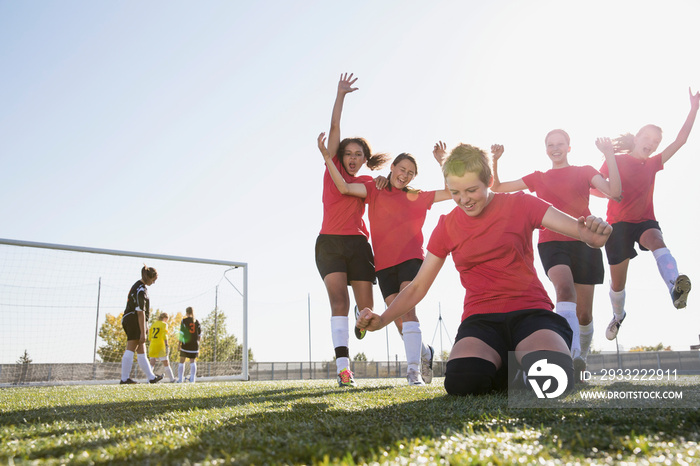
[189, 129]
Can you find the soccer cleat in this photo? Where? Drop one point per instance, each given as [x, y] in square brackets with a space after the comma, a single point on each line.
[426, 366]
[680, 291]
[579, 367]
[157, 379]
[359, 333]
[614, 327]
[127, 381]
[414, 378]
[346, 379]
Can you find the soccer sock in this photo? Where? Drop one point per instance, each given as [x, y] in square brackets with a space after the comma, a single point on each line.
[586, 337]
[145, 366]
[412, 339]
[180, 372]
[567, 310]
[193, 371]
[127, 363]
[340, 332]
[170, 373]
[617, 299]
[667, 267]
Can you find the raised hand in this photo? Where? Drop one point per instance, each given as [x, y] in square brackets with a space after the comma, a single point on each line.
[594, 231]
[605, 145]
[439, 152]
[497, 151]
[345, 84]
[322, 146]
[694, 99]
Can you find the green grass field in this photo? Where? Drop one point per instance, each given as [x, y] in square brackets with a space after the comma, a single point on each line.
[314, 422]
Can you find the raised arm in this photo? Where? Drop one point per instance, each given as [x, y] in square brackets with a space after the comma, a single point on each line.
[592, 230]
[685, 129]
[440, 154]
[351, 189]
[611, 187]
[344, 87]
[507, 186]
[407, 298]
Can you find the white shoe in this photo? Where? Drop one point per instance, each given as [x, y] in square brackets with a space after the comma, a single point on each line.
[614, 327]
[426, 366]
[414, 377]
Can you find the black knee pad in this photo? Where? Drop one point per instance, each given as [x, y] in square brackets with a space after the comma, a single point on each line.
[534, 364]
[469, 376]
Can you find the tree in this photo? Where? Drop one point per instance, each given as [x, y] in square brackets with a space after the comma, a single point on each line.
[361, 357]
[216, 339]
[659, 347]
[445, 355]
[113, 335]
[24, 359]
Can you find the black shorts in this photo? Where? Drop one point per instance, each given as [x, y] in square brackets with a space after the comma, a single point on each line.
[391, 278]
[504, 331]
[620, 245]
[184, 354]
[130, 324]
[350, 254]
[586, 263]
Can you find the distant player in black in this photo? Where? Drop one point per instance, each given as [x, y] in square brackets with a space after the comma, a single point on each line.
[135, 324]
[190, 334]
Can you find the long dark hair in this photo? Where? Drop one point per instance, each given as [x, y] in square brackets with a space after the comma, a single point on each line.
[399, 158]
[374, 161]
[624, 143]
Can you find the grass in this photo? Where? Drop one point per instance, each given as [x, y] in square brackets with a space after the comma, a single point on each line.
[314, 422]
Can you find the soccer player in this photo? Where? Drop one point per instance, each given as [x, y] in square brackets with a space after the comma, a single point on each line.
[396, 217]
[158, 344]
[135, 324]
[573, 268]
[343, 254]
[506, 308]
[190, 335]
[633, 217]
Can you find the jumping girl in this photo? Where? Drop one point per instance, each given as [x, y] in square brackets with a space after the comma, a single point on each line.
[506, 308]
[396, 217]
[633, 217]
[343, 254]
[573, 268]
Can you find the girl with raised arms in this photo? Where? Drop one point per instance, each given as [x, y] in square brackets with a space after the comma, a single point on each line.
[506, 308]
[396, 217]
[343, 254]
[573, 268]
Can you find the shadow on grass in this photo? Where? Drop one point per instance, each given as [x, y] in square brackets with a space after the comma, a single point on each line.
[317, 424]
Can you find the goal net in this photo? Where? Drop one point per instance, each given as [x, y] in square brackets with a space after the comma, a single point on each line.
[61, 309]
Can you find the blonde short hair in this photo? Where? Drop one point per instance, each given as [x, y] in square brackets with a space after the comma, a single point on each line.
[467, 158]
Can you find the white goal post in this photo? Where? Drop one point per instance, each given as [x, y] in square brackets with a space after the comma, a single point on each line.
[61, 307]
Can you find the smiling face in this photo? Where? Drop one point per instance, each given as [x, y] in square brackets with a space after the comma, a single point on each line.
[402, 173]
[557, 149]
[646, 142]
[470, 193]
[353, 158]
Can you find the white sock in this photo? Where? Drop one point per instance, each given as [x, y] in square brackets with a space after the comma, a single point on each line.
[667, 267]
[180, 371]
[567, 310]
[340, 332]
[617, 299]
[586, 335]
[127, 364]
[412, 340]
[169, 371]
[145, 366]
[193, 371]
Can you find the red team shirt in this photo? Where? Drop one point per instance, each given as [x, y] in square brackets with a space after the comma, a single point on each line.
[493, 254]
[637, 178]
[568, 189]
[342, 215]
[396, 220]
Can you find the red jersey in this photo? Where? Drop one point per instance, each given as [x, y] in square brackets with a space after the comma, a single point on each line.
[568, 189]
[396, 220]
[342, 214]
[493, 254]
[637, 178]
